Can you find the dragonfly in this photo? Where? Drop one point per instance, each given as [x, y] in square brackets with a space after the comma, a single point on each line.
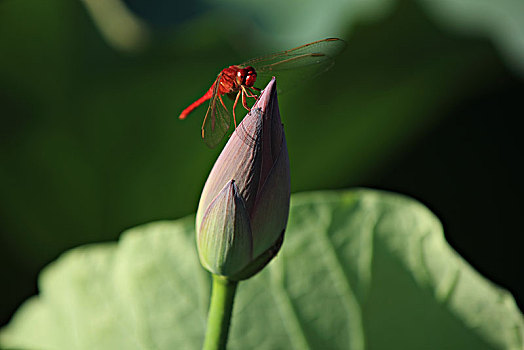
[238, 82]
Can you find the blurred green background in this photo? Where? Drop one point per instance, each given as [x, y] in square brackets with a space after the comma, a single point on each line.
[426, 100]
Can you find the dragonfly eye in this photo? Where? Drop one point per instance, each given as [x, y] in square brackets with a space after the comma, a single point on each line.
[241, 76]
[250, 77]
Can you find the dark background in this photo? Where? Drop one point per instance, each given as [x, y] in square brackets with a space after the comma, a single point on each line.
[90, 144]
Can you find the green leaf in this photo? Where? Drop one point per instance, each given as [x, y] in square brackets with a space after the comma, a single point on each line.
[501, 21]
[360, 269]
[119, 26]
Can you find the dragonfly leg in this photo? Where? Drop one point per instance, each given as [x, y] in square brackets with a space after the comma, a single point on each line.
[235, 106]
[244, 102]
[248, 93]
[223, 105]
[222, 101]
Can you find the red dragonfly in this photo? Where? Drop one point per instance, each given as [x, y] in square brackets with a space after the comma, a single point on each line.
[237, 82]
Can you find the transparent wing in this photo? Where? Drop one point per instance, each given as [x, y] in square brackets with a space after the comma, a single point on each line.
[294, 65]
[217, 120]
[312, 53]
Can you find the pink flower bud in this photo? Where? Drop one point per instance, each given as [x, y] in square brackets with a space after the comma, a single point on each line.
[244, 206]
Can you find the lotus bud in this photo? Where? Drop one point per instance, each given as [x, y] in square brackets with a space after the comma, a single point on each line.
[244, 206]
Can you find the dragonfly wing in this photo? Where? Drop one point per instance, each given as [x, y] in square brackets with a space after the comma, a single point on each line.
[296, 65]
[309, 54]
[217, 120]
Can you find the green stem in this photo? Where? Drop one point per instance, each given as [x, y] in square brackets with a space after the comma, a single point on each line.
[219, 317]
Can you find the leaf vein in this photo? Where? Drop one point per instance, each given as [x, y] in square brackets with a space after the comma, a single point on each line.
[285, 307]
[335, 263]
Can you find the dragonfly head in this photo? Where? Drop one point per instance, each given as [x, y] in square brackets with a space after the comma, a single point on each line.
[247, 76]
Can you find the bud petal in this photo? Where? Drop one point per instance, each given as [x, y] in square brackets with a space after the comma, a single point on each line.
[254, 168]
[271, 210]
[224, 240]
[238, 161]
